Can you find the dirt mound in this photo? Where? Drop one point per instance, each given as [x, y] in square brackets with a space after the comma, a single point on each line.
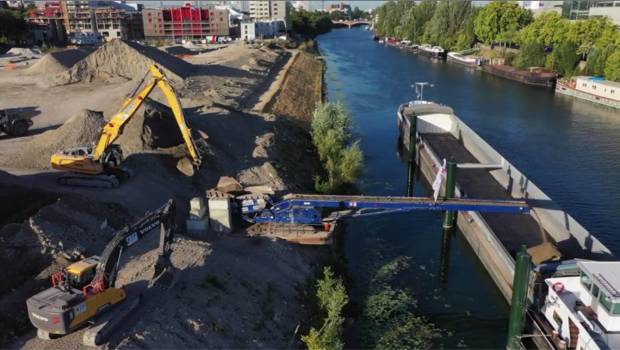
[57, 62]
[81, 130]
[151, 128]
[129, 60]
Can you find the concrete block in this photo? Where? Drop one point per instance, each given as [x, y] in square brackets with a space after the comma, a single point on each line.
[197, 208]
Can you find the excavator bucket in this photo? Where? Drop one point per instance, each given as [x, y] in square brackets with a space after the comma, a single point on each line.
[163, 277]
[186, 167]
[545, 251]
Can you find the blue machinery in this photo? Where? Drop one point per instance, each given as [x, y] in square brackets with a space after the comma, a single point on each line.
[304, 209]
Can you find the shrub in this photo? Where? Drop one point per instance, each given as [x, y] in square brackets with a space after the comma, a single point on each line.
[565, 58]
[332, 297]
[331, 136]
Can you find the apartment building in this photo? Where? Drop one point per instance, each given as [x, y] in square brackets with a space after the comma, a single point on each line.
[111, 19]
[185, 23]
[268, 10]
[46, 23]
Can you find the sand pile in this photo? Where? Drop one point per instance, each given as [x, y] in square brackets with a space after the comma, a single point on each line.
[57, 62]
[80, 130]
[128, 60]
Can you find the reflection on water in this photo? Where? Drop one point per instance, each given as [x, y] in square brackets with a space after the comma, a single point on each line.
[569, 148]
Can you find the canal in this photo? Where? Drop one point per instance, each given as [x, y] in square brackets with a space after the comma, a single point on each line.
[570, 149]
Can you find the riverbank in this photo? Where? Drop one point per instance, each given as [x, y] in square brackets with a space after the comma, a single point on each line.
[220, 96]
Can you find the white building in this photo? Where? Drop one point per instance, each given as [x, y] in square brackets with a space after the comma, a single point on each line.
[241, 5]
[609, 9]
[302, 5]
[252, 30]
[537, 6]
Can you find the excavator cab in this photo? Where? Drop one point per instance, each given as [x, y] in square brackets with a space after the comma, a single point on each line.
[82, 272]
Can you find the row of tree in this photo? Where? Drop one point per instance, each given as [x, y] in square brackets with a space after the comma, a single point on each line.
[310, 24]
[547, 40]
[13, 27]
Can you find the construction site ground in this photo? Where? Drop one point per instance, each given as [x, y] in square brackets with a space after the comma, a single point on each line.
[230, 291]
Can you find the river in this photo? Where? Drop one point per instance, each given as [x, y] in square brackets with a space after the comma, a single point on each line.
[569, 148]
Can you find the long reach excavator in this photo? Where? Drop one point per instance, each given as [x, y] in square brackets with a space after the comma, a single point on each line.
[99, 165]
[85, 293]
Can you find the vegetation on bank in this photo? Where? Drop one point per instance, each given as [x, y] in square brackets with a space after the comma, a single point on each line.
[547, 40]
[310, 24]
[13, 27]
[330, 297]
[342, 159]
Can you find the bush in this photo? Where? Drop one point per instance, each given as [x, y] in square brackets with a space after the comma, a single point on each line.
[531, 55]
[510, 58]
[332, 297]
[331, 136]
[612, 68]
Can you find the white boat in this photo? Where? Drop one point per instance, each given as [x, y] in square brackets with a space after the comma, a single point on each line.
[584, 310]
[433, 51]
[381, 41]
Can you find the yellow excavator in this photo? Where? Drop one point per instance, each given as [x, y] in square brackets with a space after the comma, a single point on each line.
[84, 295]
[99, 165]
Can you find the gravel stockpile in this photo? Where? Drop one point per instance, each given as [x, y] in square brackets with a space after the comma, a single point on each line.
[35, 153]
[57, 62]
[128, 60]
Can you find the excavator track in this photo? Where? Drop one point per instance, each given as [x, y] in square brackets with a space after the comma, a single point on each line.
[91, 181]
[96, 334]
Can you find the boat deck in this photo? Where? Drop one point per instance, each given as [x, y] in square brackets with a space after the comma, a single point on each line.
[512, 230]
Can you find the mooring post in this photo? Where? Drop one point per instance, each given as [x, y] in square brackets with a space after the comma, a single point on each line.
[410, 177]
[413, 137]
[444, 256]
[448, 216]
[518, 305]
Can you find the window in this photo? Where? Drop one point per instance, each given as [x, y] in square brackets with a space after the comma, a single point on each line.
[595, 290]
[585, 280]
[612, 91]
[557, 319]
[593, 87]
[605, 301]
[584, 85]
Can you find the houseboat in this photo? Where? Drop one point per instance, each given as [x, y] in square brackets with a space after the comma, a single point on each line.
[593, 89]
[460, 58]
[436, 52]
[583, 311]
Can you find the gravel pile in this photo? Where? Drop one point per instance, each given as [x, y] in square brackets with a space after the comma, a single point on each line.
[80, 130]
[128, 60]
[57, 62]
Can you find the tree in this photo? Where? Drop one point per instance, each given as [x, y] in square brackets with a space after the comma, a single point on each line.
[12, 26]
[612, 68]
[605, 45]
[585, 32]
[549, 28]
[358, 13]
[331, 136]
[565, 58]
[310, 24]
[499, 21]
[531, 55]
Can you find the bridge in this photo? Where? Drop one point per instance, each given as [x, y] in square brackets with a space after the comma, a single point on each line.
[350, 23]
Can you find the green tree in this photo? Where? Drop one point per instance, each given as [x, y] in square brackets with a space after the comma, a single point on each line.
[612, 68]
[331, 136]
[13, 28]
[332, 297]
[549, 28]
[605, 45]
[499, 21]
[565, 58]
[531, 55]
[585, 33]
[310, 24]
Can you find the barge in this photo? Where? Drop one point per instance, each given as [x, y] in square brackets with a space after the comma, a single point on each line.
[468, 61]
[432, 132]
[533, 76]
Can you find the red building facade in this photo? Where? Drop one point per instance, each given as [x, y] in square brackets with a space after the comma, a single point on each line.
[185, 22]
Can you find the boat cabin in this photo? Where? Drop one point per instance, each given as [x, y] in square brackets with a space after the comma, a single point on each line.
[584, 310]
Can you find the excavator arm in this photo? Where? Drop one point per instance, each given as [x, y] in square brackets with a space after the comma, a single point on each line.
[106, 159]
[108, 265]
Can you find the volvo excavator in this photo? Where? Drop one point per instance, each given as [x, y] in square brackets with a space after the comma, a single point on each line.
[99, 165]
[84, 291]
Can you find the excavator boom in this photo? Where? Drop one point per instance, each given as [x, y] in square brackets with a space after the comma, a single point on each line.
[104, 159]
